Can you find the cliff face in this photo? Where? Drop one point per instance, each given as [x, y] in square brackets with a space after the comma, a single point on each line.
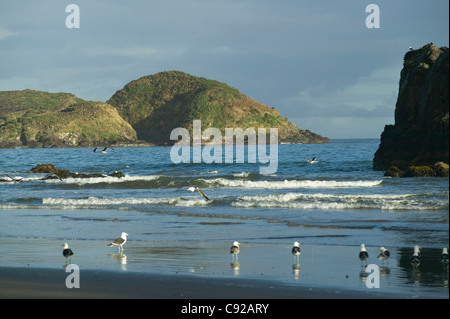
[420, 135]
[156, 104]
[41, 119]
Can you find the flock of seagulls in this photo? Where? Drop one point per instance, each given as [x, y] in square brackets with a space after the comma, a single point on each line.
[414, 260]
[119, 242]
[296, 252]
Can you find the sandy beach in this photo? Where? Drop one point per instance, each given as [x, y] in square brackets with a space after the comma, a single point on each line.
[43, 283]
[207, 272]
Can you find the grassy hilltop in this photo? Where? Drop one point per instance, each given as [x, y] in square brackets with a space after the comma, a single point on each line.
[156, 104]
[41, 119]
[146, 110]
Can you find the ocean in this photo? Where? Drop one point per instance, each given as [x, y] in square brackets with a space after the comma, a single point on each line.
[333, 205]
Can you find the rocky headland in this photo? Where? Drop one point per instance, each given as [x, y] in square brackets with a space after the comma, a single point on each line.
[156, 104]
[40, 119]
[418, 143]
[144, 112]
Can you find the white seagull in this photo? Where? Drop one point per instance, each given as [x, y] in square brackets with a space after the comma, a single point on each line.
[119, 242]
[235, 250]
[296, 251]
[67, 252]
[312, 161]
[196, 189]
[384, 254]
[363, 254]
[444, 256]
[415, 258]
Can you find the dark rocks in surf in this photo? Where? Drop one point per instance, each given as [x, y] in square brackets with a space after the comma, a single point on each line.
[438, 169]
[62, 173]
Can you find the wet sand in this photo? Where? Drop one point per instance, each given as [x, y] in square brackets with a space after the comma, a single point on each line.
[43, 283]
[166, 270]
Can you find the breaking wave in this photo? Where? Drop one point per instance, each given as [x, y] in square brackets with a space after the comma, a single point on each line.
[341, 202]
[222, 182]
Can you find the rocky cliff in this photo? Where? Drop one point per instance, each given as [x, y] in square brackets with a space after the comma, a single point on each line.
[41, 119]
[420, 135]
[156, 104]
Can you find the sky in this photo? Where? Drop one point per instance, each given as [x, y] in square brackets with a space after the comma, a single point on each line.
[317, 62]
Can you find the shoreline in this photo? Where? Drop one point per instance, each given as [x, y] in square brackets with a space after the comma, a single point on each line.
[48, 283]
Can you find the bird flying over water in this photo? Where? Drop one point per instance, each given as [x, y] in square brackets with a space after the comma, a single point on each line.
[312, 161]
[119, 242]
[102, 151]
[196, 189]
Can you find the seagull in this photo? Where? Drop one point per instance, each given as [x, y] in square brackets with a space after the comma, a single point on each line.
[296, 251]
[385, 254]
[196, 189]
[67, 252]
[415, 258]
[312, 161]
[444, 256]
[95, 149]
[410, 48]
[119, 242]
[363, 254]
[235, 250]
[104, 150]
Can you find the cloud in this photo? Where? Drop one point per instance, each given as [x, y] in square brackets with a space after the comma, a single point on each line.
[127, 52]
[5, 33]
[370, 96]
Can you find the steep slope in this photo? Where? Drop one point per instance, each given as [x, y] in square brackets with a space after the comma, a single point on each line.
[156, 104]
[420, 135]
[41, 119]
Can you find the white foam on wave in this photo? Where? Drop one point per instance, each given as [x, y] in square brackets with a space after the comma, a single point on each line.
[97, 201]
[385, 202]
[106, 179]
[291, 183]
[242, 174]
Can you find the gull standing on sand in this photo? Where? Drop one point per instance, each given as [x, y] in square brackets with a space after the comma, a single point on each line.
[415, 258]
[384, 254]
[67, 252]
[296, 251]
[235, 250]
[119, 242]
[363, 254]
[196, 189]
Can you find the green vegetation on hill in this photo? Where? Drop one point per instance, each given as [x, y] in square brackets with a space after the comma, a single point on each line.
[41, 119]
[156, 104]
[147, 109]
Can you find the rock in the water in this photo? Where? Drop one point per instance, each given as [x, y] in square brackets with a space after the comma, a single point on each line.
[420, 136]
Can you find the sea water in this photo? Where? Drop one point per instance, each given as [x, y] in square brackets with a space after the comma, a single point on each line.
[340, 201]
